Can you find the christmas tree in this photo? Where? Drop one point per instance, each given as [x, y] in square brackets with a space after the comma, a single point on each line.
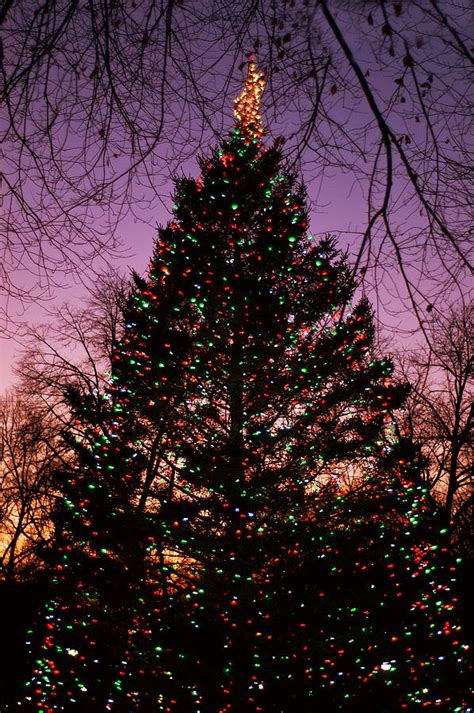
[241, 529]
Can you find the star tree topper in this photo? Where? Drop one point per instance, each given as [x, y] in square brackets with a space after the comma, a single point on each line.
[247, 104]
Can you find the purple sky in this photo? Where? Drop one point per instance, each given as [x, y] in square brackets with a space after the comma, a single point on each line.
[335, 171]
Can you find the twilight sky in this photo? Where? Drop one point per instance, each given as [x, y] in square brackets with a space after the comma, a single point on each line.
[179, 101]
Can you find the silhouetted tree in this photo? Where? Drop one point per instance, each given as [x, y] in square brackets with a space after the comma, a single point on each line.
[439, 412]
[241, 530]
[30, 449]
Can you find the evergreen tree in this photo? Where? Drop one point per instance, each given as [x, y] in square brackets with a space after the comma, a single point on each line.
[242, 531]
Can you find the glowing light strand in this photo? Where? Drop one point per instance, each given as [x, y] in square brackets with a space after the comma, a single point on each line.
[247, 104]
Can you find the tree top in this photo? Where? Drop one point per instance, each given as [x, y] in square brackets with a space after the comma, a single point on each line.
[247, 104]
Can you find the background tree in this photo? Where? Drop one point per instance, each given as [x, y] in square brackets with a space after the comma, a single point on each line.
[102, 98]
[30, 449]
[210, 556]
[74, 348]
[440, 410]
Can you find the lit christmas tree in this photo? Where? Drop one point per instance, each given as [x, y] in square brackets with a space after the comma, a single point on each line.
[241, 530]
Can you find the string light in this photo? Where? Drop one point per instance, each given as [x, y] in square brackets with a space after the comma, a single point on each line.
[247, 105]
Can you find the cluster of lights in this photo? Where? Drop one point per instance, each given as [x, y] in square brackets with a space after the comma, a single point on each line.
[242, 528]
[247, 104]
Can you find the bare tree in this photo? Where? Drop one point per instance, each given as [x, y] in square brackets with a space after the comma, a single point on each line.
[103, 98]
[440, 412]
[30, 449]
[74, 348]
